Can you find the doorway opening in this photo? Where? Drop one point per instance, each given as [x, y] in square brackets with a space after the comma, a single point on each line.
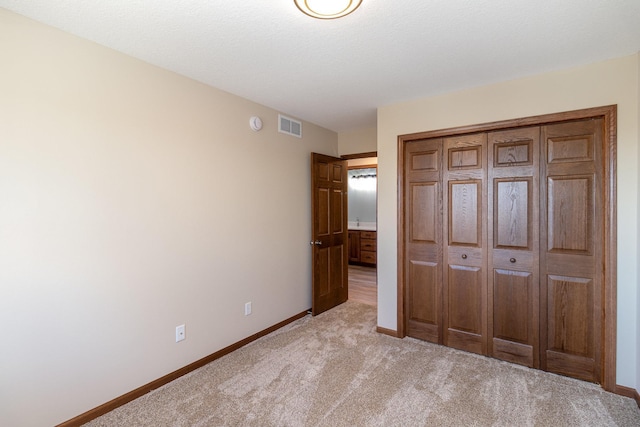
[362, 224]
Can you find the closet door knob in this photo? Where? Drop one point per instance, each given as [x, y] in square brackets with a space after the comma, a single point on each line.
[512, 260]
[464, 256]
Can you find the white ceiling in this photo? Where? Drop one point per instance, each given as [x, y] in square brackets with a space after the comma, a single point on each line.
[336, 73]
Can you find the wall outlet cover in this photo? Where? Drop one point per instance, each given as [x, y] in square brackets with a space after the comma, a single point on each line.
[180, 333]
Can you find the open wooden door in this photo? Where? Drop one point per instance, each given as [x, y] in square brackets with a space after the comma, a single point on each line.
[329, 234]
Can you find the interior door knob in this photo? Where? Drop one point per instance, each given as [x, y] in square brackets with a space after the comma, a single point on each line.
[315, 242]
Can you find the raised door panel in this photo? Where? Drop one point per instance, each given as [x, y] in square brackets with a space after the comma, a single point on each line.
[322, 171]
[513, 288]
[514, 148]
[465, 213]
[323, 212]
[465, 312]
[330, 260]
[423, 160]
[337, 212]
[422, 302]
[571, 262]
[338, 173]
[513, 245]
[570, 214]
[321, 284]
[338, 269]
[570, 304]
[423, 240]
[512, 227]
[571, 148]
[464, 156]
[513, 329]
[423, 212]
[570, 346]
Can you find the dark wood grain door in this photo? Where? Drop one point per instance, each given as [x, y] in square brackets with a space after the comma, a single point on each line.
[329, 234]
[423, 239]
[465, 238]
[572, 240]
[513, 221]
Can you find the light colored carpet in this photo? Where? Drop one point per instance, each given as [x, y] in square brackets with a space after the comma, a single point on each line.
[335, 370]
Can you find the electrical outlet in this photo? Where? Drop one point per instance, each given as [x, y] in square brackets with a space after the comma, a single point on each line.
[180, 333]
[247, 308]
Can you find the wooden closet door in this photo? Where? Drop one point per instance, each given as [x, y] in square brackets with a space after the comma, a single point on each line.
[465, 249]
[423, 239]
[513, 256]
[572, 239]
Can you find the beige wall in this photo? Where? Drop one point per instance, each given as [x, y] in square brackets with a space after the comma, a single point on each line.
[358, 141]
[605, 83]
[133, 200]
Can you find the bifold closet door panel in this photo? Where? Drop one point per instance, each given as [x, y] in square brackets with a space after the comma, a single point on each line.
[513, 255]
[465, 235]
[572, 238]
[423, 239]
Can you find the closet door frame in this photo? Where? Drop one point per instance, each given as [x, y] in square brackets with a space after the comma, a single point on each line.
[609, 297]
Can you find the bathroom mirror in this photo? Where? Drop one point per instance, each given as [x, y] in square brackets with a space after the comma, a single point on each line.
[363, 183]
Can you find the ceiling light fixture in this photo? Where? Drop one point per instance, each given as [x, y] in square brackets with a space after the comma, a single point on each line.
[327, 9]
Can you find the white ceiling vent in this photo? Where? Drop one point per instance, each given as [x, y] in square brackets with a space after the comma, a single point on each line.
[289, 126]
